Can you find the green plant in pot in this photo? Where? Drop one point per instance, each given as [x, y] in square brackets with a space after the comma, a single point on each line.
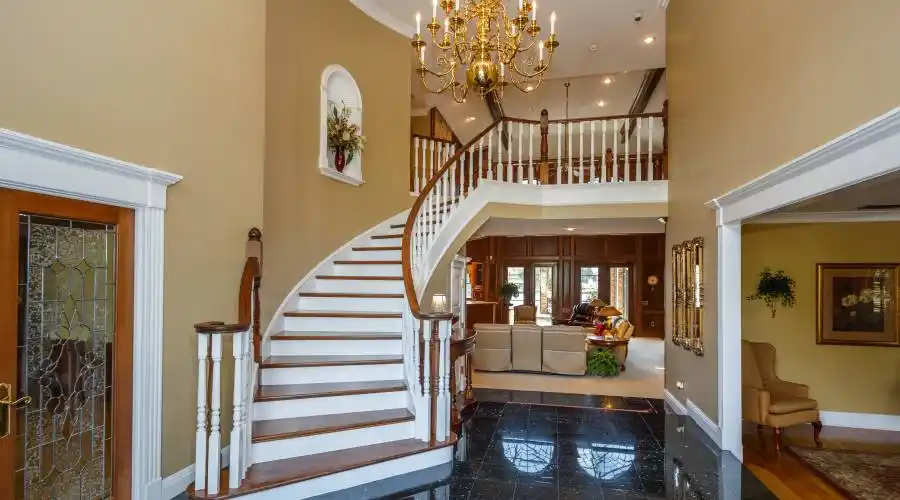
[508, 291]
[775, 288]
[602, 362]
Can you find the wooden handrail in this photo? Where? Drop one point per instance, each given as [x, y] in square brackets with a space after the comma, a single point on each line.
[248, 316]
[607, 118]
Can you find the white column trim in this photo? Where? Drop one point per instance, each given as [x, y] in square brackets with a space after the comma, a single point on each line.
[28, 163]
[729, 337]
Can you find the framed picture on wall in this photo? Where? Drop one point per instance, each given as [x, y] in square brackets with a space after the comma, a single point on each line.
[856, 304]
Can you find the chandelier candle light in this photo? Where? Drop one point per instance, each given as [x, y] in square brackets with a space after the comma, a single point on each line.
[501, 50]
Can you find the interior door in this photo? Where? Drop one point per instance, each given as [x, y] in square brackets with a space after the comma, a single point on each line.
[66, 279]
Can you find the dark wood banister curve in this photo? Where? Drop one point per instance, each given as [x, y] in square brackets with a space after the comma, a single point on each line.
[251, 278]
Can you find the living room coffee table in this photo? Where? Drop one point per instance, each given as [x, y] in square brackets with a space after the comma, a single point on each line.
[607, 343]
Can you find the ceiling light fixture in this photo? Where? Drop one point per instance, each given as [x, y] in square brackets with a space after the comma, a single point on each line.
[608, 80]
[570, 229]
[529, 88]
[650, 39]
[483, 46]
[470, 118]
[601, 103]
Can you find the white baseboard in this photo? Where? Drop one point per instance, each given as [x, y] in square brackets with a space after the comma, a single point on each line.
[872, 421]
[177, 483]
[704, 422]
[674, 403]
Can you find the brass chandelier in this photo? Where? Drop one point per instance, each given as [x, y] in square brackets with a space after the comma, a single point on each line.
[501, 50]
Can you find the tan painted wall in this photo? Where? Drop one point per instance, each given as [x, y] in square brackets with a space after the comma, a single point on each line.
[751, 86]
[172, 85]
[852, 379]
[308, 215]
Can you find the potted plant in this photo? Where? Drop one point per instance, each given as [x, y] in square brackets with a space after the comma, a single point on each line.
[774, 288]
[508, 291]
[603, 362]
[344, 137]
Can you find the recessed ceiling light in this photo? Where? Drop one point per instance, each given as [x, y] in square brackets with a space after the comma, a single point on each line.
[608, 80]
[470, 119]
[529, 88]
[601, 103]
[649, 39]
[570, 229]
[594, 47]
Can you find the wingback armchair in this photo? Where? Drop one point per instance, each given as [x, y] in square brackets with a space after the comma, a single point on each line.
[769, 401]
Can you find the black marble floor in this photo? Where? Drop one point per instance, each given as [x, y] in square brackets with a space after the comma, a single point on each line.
[614, 450]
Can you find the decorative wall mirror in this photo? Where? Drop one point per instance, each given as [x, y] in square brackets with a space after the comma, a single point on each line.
[687, 295]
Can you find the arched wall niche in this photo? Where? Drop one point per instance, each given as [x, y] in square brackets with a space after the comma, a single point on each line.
[339, 89]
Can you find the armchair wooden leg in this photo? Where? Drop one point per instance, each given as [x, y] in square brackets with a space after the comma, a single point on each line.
[777, 439]
[817, 429]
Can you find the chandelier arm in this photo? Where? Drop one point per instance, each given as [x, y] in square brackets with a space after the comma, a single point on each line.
[443, 85]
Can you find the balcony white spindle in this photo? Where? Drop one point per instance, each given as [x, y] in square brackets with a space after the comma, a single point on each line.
[417, 165]
[215, 432]
[569, 154]
[650, 169]
[531, 153]
[639, 164]
[500, 165]
[509, 156]
[593, 167]
[462, 177]
[432, 159]
[490, 156]
[471, 161]
[603, 177]
[429, 222]
[201, 444]
[519, 169]
[481, 173]
[560, 137]
[452, 185]
[581, 152]
[237, 427]
[615, 140]
[627, 155]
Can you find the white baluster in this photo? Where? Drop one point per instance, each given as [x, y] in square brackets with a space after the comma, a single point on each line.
[650, 149]
[500, 166]
[248, 394]
[215, 432]
[593, 167]
[520, 160]
[615, 140]
[569, 153]
[426, 370]
[509, 158]
[237, 427]
[443, 424]
[462, 175]
[627, 155]
[201, 444]
[481, 172]
[452, 184]
[490, 156]
[429, 221]
[417, 166]
[638, 165]
[560, 137]
[432, 159]
[471, 161]
[603, 155]
[581, 152]
[531, 153]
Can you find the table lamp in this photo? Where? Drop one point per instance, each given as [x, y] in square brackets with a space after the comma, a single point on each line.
[439, 303]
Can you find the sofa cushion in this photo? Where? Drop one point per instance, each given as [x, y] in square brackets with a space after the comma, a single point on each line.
[791, 405]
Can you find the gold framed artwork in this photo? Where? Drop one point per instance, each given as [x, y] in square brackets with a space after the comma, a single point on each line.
[856, 304]
[687, 295]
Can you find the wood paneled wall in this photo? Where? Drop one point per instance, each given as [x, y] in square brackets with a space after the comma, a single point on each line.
[643, 253]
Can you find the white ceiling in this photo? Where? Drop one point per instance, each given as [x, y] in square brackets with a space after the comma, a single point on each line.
[556, 227]
[607, 24]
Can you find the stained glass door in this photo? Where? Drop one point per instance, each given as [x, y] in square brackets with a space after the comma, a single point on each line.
[66, 361]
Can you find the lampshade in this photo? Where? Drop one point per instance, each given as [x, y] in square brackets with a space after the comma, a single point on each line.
[439, 303]
[609, 311]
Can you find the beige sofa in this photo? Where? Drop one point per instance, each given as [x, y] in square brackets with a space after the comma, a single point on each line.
[530, 348]
[563, 350]
[526, 348]
[493, 347]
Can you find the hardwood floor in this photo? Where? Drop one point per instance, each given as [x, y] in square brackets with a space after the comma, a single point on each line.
[787, 476]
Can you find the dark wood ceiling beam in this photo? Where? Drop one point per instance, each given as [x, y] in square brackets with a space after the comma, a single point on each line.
[642, 98]
[496, 109]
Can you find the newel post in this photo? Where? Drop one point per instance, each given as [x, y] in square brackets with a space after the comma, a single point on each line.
[544, 164]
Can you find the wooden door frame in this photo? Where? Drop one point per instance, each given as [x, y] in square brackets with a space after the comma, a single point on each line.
[13, 202]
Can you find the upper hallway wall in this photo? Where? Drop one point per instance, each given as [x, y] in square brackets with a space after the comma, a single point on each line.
[168, 84]
[308, 215]
[753, 85]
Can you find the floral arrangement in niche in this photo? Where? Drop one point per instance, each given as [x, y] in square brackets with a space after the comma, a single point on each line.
[344, 137]
[774, 288]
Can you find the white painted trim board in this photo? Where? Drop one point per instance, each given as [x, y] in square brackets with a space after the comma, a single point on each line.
[674, 403]
[704, 422]
[871, 421]
[177, 483]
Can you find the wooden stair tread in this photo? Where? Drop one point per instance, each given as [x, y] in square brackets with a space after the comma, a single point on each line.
[358, 278]
[336, 336]
[342, 314]
[386, 236]
[398, 226]
[326, 389]
[377, 249]
[268, 475]
[368, 262]
[353, 295]
[330, 360]
[293, 427]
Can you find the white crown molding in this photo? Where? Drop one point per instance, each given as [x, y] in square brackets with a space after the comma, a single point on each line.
[869, 151]
[823, 217]
[373, 10]
[31, 164]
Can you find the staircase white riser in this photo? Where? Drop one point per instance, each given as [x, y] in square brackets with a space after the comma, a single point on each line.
[330, 441]
[308, 324]
[359, 286]
[324, 374]
[373, 255]
[368, 270]
[267, 410]
[359, 304]
[314, 347]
